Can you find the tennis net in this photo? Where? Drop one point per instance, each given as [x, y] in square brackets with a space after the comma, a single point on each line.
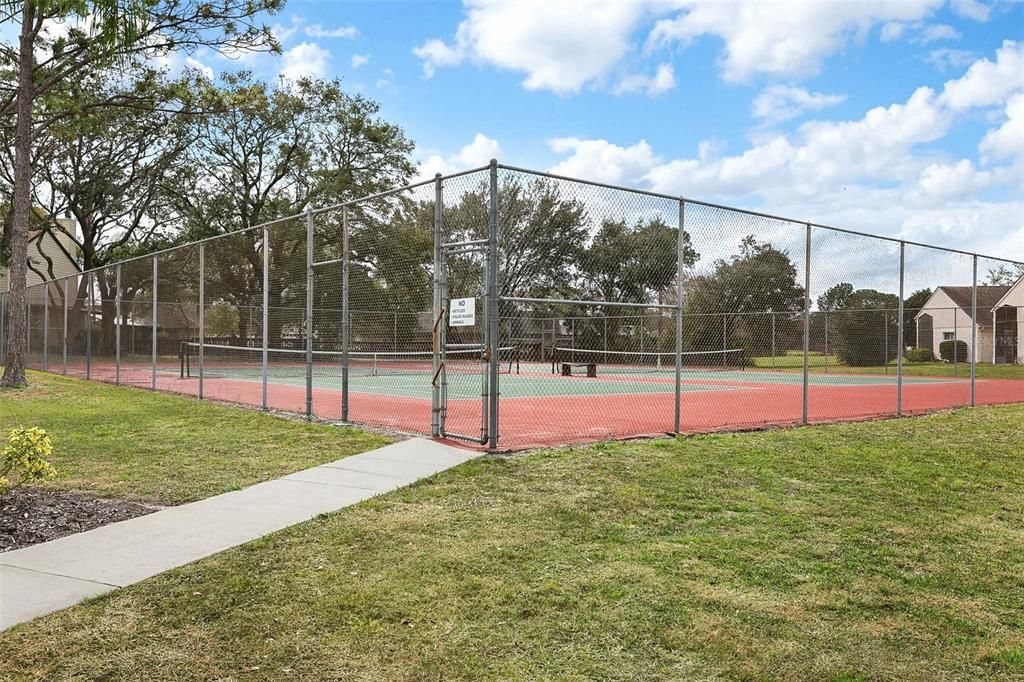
[243, 362]
[643, 362]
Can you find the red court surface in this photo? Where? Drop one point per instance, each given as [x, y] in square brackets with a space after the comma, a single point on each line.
[708, 405]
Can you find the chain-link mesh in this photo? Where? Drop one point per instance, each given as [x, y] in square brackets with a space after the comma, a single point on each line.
[938, 319]
[854, 326]
[619, 313]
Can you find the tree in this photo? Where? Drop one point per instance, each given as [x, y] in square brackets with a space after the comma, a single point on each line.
[863, 329]
[1005, 274]
[98, 32]
[271, 151]
[835, 297]
[736, 302]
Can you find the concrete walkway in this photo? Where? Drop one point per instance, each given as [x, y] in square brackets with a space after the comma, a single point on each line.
[53, 575]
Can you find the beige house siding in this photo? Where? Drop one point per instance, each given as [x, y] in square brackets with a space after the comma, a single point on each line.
[949, 318]
[47, 245]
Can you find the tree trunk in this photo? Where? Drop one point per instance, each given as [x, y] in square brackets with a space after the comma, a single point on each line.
[14, 370]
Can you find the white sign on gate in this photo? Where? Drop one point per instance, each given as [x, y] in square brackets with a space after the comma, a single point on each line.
[462, 312]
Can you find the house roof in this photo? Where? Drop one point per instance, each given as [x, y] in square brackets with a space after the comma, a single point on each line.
[988, 296]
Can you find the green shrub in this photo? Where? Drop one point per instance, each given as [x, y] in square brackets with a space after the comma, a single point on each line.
[946, 351]
[24, 458]
[919, 355]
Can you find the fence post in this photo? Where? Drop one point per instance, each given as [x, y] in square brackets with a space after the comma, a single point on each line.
[28, 325]
[492, 311]
[117, 325]
[436, 321]
[64, 335]
[807, 319]
[264, 362]
[680, 246]
[773, 340]
[156, 285]
[309, 314]
[202, 315]
[346, 324]
[974, 325]
[899, 334]
[88, 325]
[46, 325]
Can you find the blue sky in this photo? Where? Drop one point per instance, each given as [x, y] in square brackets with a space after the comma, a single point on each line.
[901, 118]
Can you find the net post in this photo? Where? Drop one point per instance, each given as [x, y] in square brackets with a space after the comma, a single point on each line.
[974, 326]
[900, 341]
[435, 387]
[885, 342]
[346, 330]
[202, 315]
[807, 320]
[64, 334]
[266, 317]
[154, 348]
[46, 325]
[679, 319]
[88, 325]
[117, 325]
[492, 310]
[309, 314]
[825, 313]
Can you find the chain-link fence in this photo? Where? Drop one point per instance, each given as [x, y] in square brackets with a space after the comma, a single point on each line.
[512, 308]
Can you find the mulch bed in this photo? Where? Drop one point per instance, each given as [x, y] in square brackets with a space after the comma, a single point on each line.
[32, 515]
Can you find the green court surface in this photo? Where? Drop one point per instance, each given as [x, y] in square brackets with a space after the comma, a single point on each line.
[536, 380]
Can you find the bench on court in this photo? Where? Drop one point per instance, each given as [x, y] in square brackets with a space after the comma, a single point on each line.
[591, 368]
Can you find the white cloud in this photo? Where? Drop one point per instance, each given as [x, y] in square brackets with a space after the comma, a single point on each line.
[891, 31]
[305, 60]
[435, 53]
[972, 9]
[1006, 141]
[875, 172]
[932, 32]
[603, 161]
[559, 46]
[479, 152]
[663, 80]
[360, 60]
[778, 103]
[761, 39]
[947, 58]
[318, 31]
[193, 63]
[283, 33]
[988, 83]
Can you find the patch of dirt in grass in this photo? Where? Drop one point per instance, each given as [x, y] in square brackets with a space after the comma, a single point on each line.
[31, 515]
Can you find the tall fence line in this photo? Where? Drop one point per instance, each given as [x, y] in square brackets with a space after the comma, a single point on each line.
[510, 308]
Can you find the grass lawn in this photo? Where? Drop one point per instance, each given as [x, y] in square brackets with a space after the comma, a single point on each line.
[819, 363]
[877, 550]
[155, 447]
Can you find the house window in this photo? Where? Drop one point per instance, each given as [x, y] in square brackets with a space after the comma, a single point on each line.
[947, 336]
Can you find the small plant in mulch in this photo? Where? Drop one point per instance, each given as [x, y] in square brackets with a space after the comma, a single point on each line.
[25, 458]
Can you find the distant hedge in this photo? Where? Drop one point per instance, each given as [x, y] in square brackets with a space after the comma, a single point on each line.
[919, 355]
[947, 352]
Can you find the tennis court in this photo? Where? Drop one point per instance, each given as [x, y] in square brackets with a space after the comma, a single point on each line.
[629, 397]
[512, 308]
